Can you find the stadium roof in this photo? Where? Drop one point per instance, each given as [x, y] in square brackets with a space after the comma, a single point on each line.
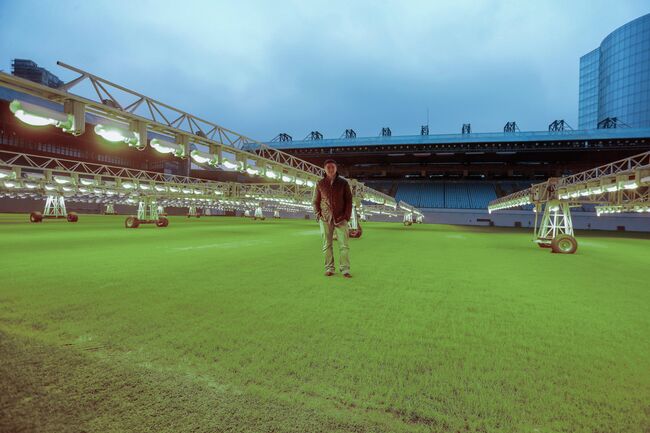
[487, 137]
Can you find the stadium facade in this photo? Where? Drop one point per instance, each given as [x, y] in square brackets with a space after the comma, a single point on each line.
[615, 78]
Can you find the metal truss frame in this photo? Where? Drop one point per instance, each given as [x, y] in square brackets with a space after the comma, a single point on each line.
[147, 209]
[621, 186]
[182, 120]
[36, 176]
[108, 106]
[616, 168]
[616, 183]
[632, 201]
[55, 206]
[373, 209]
[25, 160]
[556, 221]
[201, 131]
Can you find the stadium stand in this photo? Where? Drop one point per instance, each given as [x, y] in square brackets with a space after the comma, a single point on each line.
[433, 195]
[449, 195]
[410, 193]
[457, 196]
[480, 194]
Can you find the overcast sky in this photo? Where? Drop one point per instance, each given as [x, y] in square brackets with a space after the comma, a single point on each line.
[264, 67]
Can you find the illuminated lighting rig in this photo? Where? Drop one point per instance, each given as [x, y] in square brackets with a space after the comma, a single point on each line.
[56, 180]
[24, 175]
[133, 117]
[621, 186]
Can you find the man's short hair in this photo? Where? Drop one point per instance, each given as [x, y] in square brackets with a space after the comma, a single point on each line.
[329, 161]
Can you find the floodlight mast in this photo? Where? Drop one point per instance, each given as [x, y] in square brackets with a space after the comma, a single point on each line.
[621, 186]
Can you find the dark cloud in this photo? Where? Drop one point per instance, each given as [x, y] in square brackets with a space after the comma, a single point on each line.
[265, 67]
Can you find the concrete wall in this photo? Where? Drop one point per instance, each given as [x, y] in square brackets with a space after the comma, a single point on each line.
[509, 218]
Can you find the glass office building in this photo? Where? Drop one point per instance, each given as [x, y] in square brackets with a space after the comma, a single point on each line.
[588, 112]
[615, 78]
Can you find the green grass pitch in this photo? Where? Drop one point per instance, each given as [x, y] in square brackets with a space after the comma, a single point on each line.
[226, 324]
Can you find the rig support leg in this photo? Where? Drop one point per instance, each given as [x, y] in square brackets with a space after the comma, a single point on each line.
[55, 207]
[147, 209]
[354, 226]
[556, 228]
[259, 214]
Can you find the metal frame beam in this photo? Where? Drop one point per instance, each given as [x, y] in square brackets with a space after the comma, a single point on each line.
[617, 183]
[217, 138]
[39, 176]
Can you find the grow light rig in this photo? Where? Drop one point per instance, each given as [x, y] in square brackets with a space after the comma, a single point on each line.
[621, 186]
[133, 118]
[58, 180]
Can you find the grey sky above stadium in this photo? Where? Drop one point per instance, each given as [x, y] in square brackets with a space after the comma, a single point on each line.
[262, 67]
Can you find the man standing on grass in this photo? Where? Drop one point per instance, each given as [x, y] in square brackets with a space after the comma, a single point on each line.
[333, 209]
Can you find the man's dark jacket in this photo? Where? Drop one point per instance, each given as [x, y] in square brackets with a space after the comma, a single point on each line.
[333, 202]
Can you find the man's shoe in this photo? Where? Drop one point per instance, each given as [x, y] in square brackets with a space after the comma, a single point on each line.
[347, 275]
[329, 273]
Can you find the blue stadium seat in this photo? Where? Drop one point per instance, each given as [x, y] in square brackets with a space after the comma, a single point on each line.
[451, 195]
[457, 195]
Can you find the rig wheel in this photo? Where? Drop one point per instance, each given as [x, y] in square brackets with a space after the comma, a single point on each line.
[544, 245]
[131, 223]
[72, 217]
[356, 233]
[564, 244]
[35, 217]
[162, 222]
